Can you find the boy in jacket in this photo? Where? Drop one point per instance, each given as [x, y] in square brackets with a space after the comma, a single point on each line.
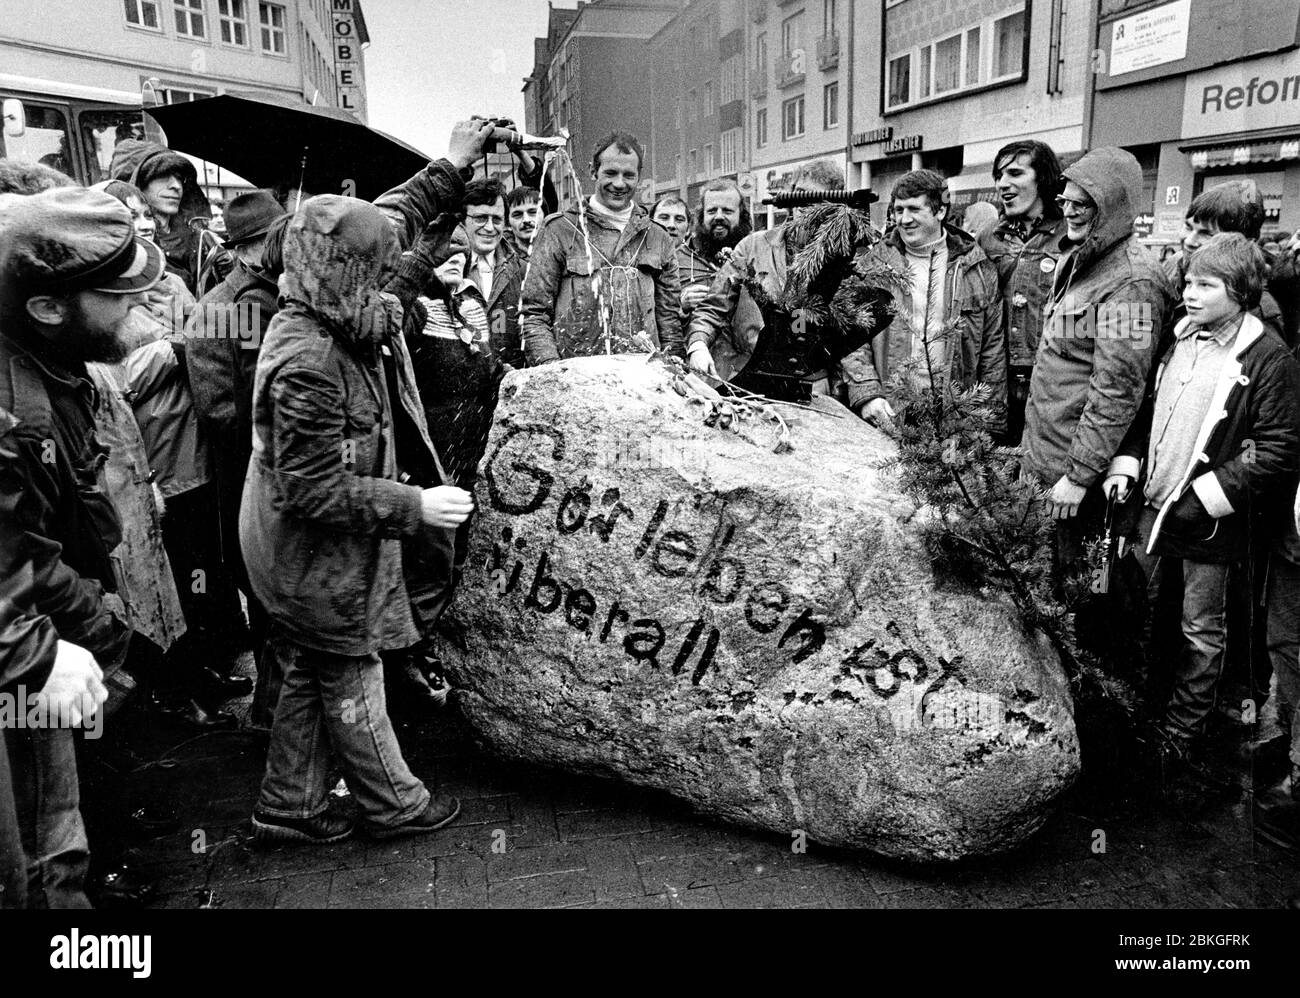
[1220, 434]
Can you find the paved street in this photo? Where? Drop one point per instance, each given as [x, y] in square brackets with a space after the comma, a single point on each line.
[534, 838]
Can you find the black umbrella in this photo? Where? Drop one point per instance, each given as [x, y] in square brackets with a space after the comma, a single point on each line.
[265, 139]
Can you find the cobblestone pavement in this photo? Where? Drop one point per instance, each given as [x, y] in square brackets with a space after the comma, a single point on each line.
[535, 838]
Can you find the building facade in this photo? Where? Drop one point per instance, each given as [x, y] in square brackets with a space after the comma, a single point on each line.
[73, 63]
[1201, 91]
[944, 85]
[596, 78]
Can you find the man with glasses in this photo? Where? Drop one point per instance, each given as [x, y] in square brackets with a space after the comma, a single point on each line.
[1108, 303]
[494, 268]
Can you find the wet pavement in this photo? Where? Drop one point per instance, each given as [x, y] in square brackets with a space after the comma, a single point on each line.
[530, 837]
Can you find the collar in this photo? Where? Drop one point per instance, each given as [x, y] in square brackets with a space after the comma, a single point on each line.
[50, 361]
[1222, 334]
[598, 209]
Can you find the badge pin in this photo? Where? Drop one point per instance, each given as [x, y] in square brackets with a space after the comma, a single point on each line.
[1047, 265]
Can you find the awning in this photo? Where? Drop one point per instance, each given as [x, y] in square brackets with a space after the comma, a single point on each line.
[1240, 153]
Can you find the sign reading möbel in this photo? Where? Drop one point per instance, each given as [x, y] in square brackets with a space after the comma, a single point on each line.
[347, 55]
[1245, 96]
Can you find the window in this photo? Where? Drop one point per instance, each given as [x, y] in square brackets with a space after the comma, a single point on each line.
[690, 107]
[947, 65]
[900, 80]
[270, 16]
[233, 15]
[710, 164]
[831, 105]
[828, 17]
[1009, 45]
[143, 14]
[792, 34]
[695, 163]
[923, 75]
[792, 118]
[729, 151]
[174, 95]
[709, 106]
[189, 18]
[973, 57]
[760, 127]
[760, 53]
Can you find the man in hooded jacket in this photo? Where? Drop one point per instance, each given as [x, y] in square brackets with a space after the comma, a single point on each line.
[321, 522]
[1101, 325]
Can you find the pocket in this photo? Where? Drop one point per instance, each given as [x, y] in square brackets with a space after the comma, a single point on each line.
[576, 262]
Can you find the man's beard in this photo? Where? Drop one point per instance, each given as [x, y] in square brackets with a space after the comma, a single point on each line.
[86, 340]
[710, 245]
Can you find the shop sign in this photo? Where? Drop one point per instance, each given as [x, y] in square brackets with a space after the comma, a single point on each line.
[1245, 96]
[874, 135]
[1151, 38]
[904, 143]
[347, 55]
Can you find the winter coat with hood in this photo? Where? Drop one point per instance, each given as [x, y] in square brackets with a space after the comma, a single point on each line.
[1109, 301]
[976, 345]
[560, 317]
[323, 512]
[1245, 463]
[137, 162]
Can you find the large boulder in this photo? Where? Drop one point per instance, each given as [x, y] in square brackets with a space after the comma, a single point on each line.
[681, 606]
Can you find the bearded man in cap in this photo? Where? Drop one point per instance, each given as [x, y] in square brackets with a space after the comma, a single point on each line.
[71, 270]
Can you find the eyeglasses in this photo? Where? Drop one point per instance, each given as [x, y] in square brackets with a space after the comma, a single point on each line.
[483, 221]
[1071, 204]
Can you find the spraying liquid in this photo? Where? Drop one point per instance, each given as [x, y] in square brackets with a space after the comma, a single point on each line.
[561, 154]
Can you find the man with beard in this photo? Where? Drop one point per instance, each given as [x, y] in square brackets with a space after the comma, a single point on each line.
[71, 270]
[721, 221]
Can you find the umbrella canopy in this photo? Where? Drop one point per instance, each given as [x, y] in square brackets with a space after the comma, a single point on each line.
[264, 138]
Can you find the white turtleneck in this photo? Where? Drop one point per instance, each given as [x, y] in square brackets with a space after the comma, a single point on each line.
[618, 219]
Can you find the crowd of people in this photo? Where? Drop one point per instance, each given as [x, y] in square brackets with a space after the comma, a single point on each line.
[269, 443]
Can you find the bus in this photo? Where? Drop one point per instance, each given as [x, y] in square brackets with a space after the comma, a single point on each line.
[66, 126]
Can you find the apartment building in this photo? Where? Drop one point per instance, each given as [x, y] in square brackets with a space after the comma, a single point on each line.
[595, 79]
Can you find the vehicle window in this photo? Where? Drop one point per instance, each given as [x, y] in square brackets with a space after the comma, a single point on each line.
[101, 131]
[45, 140]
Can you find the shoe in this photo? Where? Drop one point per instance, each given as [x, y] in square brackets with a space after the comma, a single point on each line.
[442, 810]
[193, 714]
[120, 886]
[221, 688]
[153, 820]
[1278, 821]
[329, 826]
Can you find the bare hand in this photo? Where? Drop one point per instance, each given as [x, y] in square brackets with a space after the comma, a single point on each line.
[1064, 499]
[700, 360]
[878, 412]
[692, 295]
[75, 689]
[446, 506]
[1120, 483]
[467, 141]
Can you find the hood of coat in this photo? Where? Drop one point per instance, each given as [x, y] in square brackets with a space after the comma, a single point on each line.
[1113, 179]
[338, 253]
[137, 161]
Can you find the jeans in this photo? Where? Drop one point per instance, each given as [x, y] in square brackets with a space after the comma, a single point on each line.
[334, 704]
[1284, 643]
[1199, 661]
[43, 765]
